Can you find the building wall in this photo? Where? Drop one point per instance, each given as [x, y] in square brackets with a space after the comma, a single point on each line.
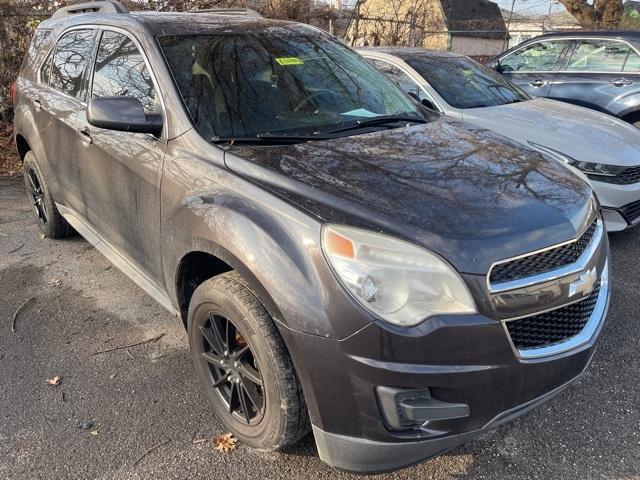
[476, 47]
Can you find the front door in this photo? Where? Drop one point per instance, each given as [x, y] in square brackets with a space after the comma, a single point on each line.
[533, 67]
[121, 171]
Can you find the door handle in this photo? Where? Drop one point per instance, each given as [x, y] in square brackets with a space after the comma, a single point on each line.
[85, 136]
[37, 104]
[538, 83]
[622, 82]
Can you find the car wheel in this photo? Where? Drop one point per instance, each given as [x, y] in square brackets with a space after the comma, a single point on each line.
[48, 218]
[243, 365]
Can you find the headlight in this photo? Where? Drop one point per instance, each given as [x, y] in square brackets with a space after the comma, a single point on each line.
[598, 169]
[393, 279]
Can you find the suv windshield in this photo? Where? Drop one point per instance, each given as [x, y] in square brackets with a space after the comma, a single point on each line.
[464, 83]
[279, 80]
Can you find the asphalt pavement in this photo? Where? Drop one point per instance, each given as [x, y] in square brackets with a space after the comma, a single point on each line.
[146, 418]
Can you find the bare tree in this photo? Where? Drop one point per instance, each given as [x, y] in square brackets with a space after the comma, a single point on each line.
[600, 14]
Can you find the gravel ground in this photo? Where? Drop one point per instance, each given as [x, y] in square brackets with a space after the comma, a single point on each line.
[147, 394]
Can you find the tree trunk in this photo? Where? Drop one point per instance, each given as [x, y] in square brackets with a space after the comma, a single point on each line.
[602, 14]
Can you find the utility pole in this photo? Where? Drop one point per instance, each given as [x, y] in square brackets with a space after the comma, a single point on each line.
[506, 37]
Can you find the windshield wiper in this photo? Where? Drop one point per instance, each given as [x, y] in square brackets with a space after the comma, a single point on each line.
[376, 121]
[268, 138]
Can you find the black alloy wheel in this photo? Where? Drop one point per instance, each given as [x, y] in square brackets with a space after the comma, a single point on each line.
[37, 197]
[234, 371]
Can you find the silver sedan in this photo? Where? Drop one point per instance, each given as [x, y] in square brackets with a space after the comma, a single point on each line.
[602, 148]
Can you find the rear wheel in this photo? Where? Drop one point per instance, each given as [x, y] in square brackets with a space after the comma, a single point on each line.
[48, 218]
[243, 365]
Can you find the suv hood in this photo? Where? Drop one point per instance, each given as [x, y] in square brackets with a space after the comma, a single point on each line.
[470, 195]
[578, 132]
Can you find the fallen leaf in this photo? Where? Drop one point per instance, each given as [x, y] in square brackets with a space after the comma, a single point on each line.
[94, 432]
[55, 381]
[42, 236]
[55, 282]
[224, 442]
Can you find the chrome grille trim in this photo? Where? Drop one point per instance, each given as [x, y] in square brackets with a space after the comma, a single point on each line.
[569, 269]
[582, 339]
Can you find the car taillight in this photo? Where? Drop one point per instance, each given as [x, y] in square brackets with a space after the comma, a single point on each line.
[13, 92]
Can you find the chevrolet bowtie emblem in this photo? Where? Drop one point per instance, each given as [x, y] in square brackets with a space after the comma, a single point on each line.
[585, 284]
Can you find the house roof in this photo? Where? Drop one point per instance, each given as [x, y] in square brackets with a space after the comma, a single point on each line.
[474, 18]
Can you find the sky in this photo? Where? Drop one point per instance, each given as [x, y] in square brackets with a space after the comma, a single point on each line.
[535, 7]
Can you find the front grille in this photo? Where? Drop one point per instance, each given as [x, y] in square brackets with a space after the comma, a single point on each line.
[625, 177]
[631, 212]
[553, 327]
[542, 262]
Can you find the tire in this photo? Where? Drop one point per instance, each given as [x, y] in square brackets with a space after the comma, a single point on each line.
[224, 304]
[50, 223]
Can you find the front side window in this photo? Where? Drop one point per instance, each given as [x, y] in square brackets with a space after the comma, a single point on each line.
[401, 79]
[277, 80]
[598, 56]
[464, 83]
[539, 57]
[70, 61]
[121, 71]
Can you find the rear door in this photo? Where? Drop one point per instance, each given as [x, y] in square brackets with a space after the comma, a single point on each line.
[59, 102]
[121, 170]
[598, 74]
[534, 67]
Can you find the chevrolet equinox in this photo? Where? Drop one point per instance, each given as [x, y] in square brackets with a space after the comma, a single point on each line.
[344, 260]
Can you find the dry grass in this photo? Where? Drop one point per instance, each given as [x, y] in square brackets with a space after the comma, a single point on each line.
[10, 164]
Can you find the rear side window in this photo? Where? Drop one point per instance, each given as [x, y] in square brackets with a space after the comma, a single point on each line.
[598, 56]
[120, 70]
[633, 62]
[36, 42]
[538, 57]
[70, 61]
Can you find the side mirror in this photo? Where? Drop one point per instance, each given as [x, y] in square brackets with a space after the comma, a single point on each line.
[428, 103]
[123, 114]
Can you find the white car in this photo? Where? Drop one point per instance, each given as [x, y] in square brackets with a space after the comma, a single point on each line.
[605, 149]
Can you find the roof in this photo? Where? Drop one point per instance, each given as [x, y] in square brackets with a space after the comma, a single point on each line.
[631, 35]
[407, 52]
[474, 18]
[172, 23]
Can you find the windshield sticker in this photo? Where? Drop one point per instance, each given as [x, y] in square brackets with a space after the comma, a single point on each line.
[361, 112]
[286, 61]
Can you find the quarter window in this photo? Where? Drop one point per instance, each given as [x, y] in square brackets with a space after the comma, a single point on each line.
[598, 56]
[70, 62]
[633, 62]
[121, 71]
[539, 57]
[401, 79]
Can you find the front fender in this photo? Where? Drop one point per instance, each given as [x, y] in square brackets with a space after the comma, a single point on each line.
[274, 245]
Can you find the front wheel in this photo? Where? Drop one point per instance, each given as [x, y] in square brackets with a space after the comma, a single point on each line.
[50, 223]
[243, 365]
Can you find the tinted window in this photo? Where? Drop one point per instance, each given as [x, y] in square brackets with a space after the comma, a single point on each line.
[598, 56]
[36, 42]
[464, 83]
[121, 71]
[633, 62]
[285, 79]
[401, 79]
[70, 61]
[539, 57]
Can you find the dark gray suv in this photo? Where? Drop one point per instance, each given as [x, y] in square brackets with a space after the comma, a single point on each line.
[344, 260]
[598, 70]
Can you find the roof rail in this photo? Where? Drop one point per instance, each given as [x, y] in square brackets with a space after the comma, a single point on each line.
[104, 6]
[230, 11]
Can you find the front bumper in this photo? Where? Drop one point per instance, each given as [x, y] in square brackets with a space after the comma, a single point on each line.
[620, 204]
[463, 362]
